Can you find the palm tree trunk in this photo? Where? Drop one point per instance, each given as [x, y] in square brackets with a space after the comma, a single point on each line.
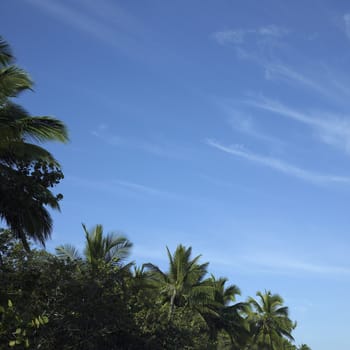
[172, 305]
[271, 344]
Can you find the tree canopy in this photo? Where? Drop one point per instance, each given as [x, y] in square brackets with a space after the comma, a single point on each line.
[27, 170]
[78, 305]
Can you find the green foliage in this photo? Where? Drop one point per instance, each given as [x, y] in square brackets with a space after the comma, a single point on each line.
[30, 184]
[120, 306]
[86, 310]
[99, 248]
[224, 318]
[269, 321]
[13, 80]
[27, 170]
[303, 347]
[16, 331]
[183, 283]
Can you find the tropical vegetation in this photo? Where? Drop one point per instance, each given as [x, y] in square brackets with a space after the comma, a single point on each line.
[27, 170]
[98, 298]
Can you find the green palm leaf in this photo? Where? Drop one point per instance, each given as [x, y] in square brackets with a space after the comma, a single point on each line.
[13, 80]
[67, 252]
[270, 322]
[6, 56]
[24, 178]
[183, 284]
[99, 248]
[15, 122]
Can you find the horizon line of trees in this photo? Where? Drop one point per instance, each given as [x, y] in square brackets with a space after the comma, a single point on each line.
[98, 300]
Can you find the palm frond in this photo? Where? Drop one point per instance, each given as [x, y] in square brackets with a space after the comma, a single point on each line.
[117, 247]
[44, 129]
[18, 151]
[33, 221]
[67, 252]
[13, 80]
[111, 248]
[155, 272]
[6, 56]
[15, 122]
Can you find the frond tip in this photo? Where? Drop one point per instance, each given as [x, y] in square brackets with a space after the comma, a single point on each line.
[67, 252]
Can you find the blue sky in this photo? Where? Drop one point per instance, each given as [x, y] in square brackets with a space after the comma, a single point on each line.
[221, 125]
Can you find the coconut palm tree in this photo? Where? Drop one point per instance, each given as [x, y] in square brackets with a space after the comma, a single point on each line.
[110, 248]
[17, 127]
[225, 315]
[269, 322]
[183, 284]
[18, 130]
[13, 79]
[27, 171]
[304, 347]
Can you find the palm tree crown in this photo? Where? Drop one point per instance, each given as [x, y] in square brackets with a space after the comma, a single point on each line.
[27, 170]
[270, 321]
[224, 314]
[110, 248]
[183, 283]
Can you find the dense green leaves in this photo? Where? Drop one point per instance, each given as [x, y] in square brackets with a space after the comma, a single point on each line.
[25, 191]
[270, 322]
[83, 305]
[27, 170]
[183, 283]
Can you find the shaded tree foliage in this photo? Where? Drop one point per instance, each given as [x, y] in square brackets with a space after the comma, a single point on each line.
[27, 171]
[121, 306]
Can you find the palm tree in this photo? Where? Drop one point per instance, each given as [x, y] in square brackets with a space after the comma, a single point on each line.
[27, 171]
[110, 248]
[183, 284]
[18, 129]
[225, 315]
[304, 347]
[13, 79]
[270, 322]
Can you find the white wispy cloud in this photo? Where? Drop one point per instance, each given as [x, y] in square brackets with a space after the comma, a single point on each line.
[229, 36]
[279, 165]
[323, 82]
[103, 21]
[148, 190]
[271, 262]
[330, 128]
[273, 30]
[277, 263]
[246, 125]
[263, 47]
[241, 121]
[274, 71]
[239, 36]
[116, 185]
[113, 13]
